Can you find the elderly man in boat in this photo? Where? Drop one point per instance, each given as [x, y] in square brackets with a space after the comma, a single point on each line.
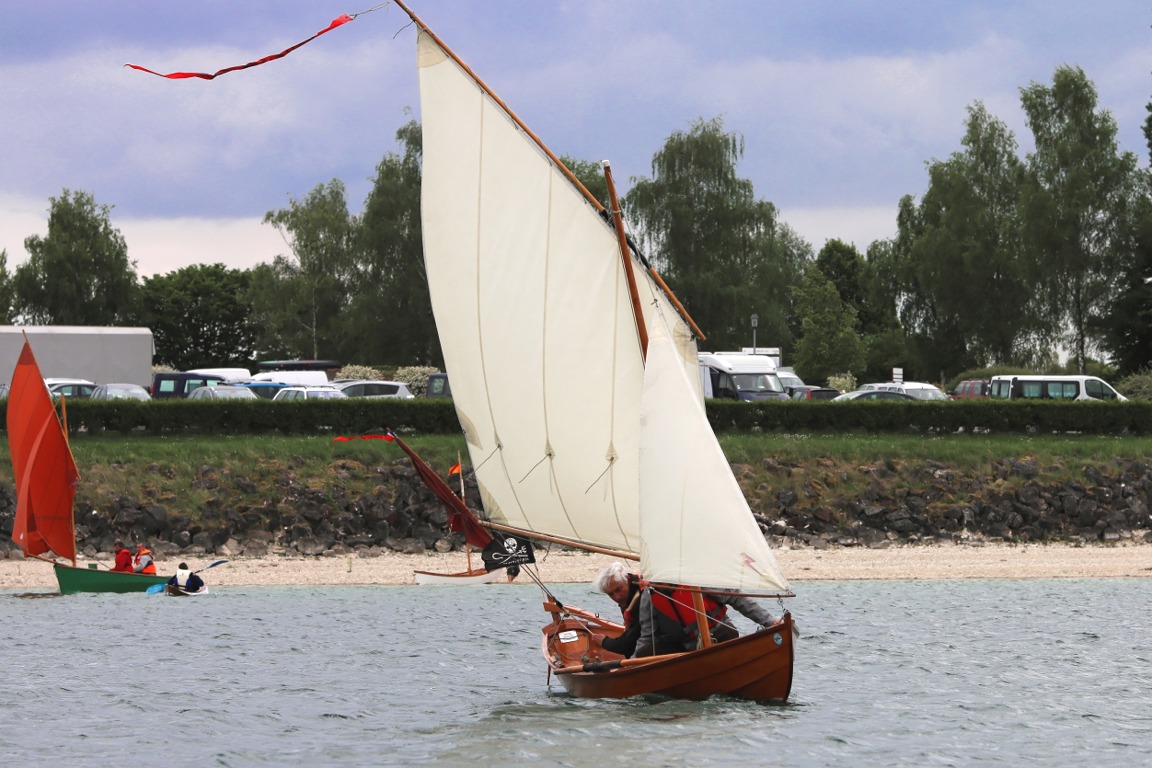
[662, 620]
[624, 589]
[668, 620]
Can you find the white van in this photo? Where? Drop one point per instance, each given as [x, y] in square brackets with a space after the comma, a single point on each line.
[228, 374]
[737, 376]
[1071, 387]
[303, 378]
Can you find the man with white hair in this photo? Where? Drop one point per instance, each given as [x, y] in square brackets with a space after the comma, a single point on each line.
[624, 589]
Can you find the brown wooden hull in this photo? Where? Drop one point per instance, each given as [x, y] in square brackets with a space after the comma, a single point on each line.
[756, 666]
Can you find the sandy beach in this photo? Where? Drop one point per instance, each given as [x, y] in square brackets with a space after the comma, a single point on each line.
[990, 561]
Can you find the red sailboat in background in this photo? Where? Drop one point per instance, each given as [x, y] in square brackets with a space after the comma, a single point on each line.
[46, 476]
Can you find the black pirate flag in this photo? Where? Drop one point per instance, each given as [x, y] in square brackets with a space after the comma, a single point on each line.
[505, 550]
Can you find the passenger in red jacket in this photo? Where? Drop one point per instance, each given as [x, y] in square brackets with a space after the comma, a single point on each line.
[123, 558]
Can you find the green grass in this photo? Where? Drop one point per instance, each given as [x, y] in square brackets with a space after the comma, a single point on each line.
[957, 450]
[189, 474]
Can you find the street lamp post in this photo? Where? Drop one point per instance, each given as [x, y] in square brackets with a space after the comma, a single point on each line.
[755, 321]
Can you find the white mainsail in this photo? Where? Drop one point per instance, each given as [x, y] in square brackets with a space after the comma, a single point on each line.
[695, 524]
[534, 318]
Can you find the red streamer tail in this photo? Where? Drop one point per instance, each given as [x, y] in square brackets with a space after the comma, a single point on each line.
[338, 21]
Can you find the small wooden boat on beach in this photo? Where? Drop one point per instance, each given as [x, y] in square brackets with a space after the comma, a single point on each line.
[45, 475]
[473, 576]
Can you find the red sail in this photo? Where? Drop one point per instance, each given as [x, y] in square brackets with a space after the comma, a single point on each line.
[42, 465]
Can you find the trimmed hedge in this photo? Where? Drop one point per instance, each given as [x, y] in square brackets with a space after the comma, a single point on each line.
[438, 416]
[1011, 416]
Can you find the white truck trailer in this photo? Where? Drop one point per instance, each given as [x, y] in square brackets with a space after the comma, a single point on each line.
[100, 354]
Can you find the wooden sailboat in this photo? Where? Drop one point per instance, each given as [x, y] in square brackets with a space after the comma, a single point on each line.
[46, 477]
[574, 376]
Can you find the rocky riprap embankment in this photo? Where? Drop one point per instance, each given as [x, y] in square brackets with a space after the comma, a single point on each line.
[370, 510]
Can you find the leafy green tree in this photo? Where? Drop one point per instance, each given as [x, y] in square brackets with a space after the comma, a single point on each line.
[877, 317]
[390, 319]
[830, 343]
[844, 266]
[7, 293]
[591, 175]
[1125, 330]
[79, 274]
[297, 300]
[931, 336]
[1077, 204]
[200, 316]
[722, 250]
[967, 281]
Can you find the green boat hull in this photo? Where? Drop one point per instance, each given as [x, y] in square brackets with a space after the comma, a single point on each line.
[73, 580]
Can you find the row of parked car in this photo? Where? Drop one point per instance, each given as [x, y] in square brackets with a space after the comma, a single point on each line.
[209, 387]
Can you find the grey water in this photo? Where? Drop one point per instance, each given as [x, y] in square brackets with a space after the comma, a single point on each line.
[919, 673]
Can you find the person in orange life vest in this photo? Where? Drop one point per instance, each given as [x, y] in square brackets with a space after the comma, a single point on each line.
[143, 562]
[624, 589]
[186, 579]
[123, 558]
[668, 620]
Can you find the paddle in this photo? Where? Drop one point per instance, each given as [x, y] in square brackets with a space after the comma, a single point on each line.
[156, 589]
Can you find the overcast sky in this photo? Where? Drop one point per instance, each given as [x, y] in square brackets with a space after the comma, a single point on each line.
[840, 103]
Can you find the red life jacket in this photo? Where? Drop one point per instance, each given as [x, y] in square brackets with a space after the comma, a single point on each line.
[676, 617]
[151, 567]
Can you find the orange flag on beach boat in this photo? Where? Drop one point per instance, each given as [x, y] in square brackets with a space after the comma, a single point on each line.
[454, 469]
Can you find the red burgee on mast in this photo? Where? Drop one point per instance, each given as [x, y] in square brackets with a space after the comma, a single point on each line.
[336, 22]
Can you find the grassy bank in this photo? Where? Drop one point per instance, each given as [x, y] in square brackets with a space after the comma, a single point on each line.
[168, 470]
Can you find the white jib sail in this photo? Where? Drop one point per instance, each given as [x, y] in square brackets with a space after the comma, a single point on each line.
[534, 319]
[695, 524]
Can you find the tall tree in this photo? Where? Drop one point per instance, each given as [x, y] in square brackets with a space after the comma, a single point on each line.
[721, 249]
[297, 300]
[79, 274]
[1077, 203]
[970, 254]
[390, 320]
[7, 292]
[200, 316]
[886, 347]
[844, 266]
[830, 343]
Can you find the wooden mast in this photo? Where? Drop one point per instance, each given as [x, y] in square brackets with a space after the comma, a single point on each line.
[625, 256]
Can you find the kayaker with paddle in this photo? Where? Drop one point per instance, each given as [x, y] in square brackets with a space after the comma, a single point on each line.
[143, 562]
[123, 558]
[186, 579]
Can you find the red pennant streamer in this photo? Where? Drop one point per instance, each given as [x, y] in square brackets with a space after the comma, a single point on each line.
[338, 21]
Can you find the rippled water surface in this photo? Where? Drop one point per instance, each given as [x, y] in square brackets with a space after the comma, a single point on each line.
[942, 673]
